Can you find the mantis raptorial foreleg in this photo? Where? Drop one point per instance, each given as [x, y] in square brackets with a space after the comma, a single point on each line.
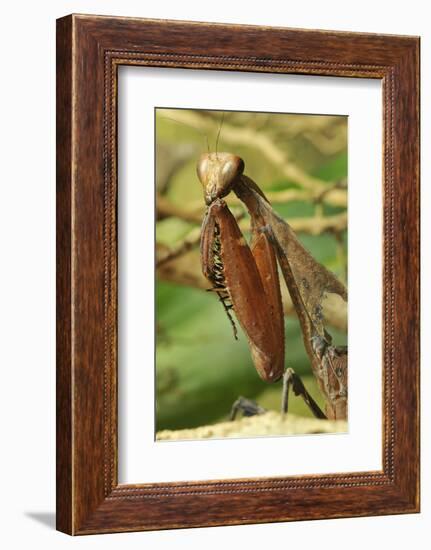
[246, 279]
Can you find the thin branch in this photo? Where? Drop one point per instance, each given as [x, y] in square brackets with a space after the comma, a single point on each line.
[185, 270]
[314, 226]
[326, 146]
[166, 209]
[191, 241]
[341, 185]
[334, 195]
[166, 254]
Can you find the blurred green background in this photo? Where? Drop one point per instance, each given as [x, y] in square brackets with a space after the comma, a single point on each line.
[300, 162]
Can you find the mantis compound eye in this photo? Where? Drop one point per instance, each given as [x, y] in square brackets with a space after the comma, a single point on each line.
[217, 172]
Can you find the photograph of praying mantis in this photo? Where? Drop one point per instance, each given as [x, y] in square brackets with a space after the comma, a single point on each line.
[251, 274]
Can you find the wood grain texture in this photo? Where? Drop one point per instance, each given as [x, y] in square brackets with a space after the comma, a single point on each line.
[90, 49]
[64, 496]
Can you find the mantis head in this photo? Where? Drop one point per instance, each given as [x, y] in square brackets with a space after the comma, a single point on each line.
[217, 172]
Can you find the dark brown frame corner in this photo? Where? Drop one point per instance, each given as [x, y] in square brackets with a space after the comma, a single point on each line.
[89, 51]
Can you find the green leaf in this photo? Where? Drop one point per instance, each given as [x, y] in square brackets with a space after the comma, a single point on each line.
[335, 169]
[295, 209]
[282, 185]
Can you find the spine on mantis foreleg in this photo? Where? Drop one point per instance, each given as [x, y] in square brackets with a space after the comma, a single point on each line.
[247, 282]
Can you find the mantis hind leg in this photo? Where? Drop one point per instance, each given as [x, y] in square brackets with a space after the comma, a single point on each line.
[292, 381]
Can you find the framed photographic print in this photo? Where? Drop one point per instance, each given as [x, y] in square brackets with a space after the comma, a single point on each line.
[237, 274]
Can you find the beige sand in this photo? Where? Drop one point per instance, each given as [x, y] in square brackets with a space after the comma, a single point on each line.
[269, 424]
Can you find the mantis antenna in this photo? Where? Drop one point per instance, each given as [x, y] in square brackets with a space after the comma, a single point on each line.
[193, 128]
[218, 133]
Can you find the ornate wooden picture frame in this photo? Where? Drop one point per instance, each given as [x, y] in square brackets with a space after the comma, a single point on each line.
[89, 51]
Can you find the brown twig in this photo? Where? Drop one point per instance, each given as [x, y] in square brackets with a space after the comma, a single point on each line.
[342, 185]
[166, 208]
[313, 226]
[190, 242]
[165, 254]
[333, 195]
[316, 225]
[184, 270]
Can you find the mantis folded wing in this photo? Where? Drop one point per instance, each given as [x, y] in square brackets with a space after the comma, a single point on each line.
[246, 280]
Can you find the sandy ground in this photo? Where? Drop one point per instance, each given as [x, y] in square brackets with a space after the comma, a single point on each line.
[270, 423]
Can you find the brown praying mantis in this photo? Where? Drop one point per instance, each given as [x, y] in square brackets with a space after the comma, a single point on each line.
[245, 278]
